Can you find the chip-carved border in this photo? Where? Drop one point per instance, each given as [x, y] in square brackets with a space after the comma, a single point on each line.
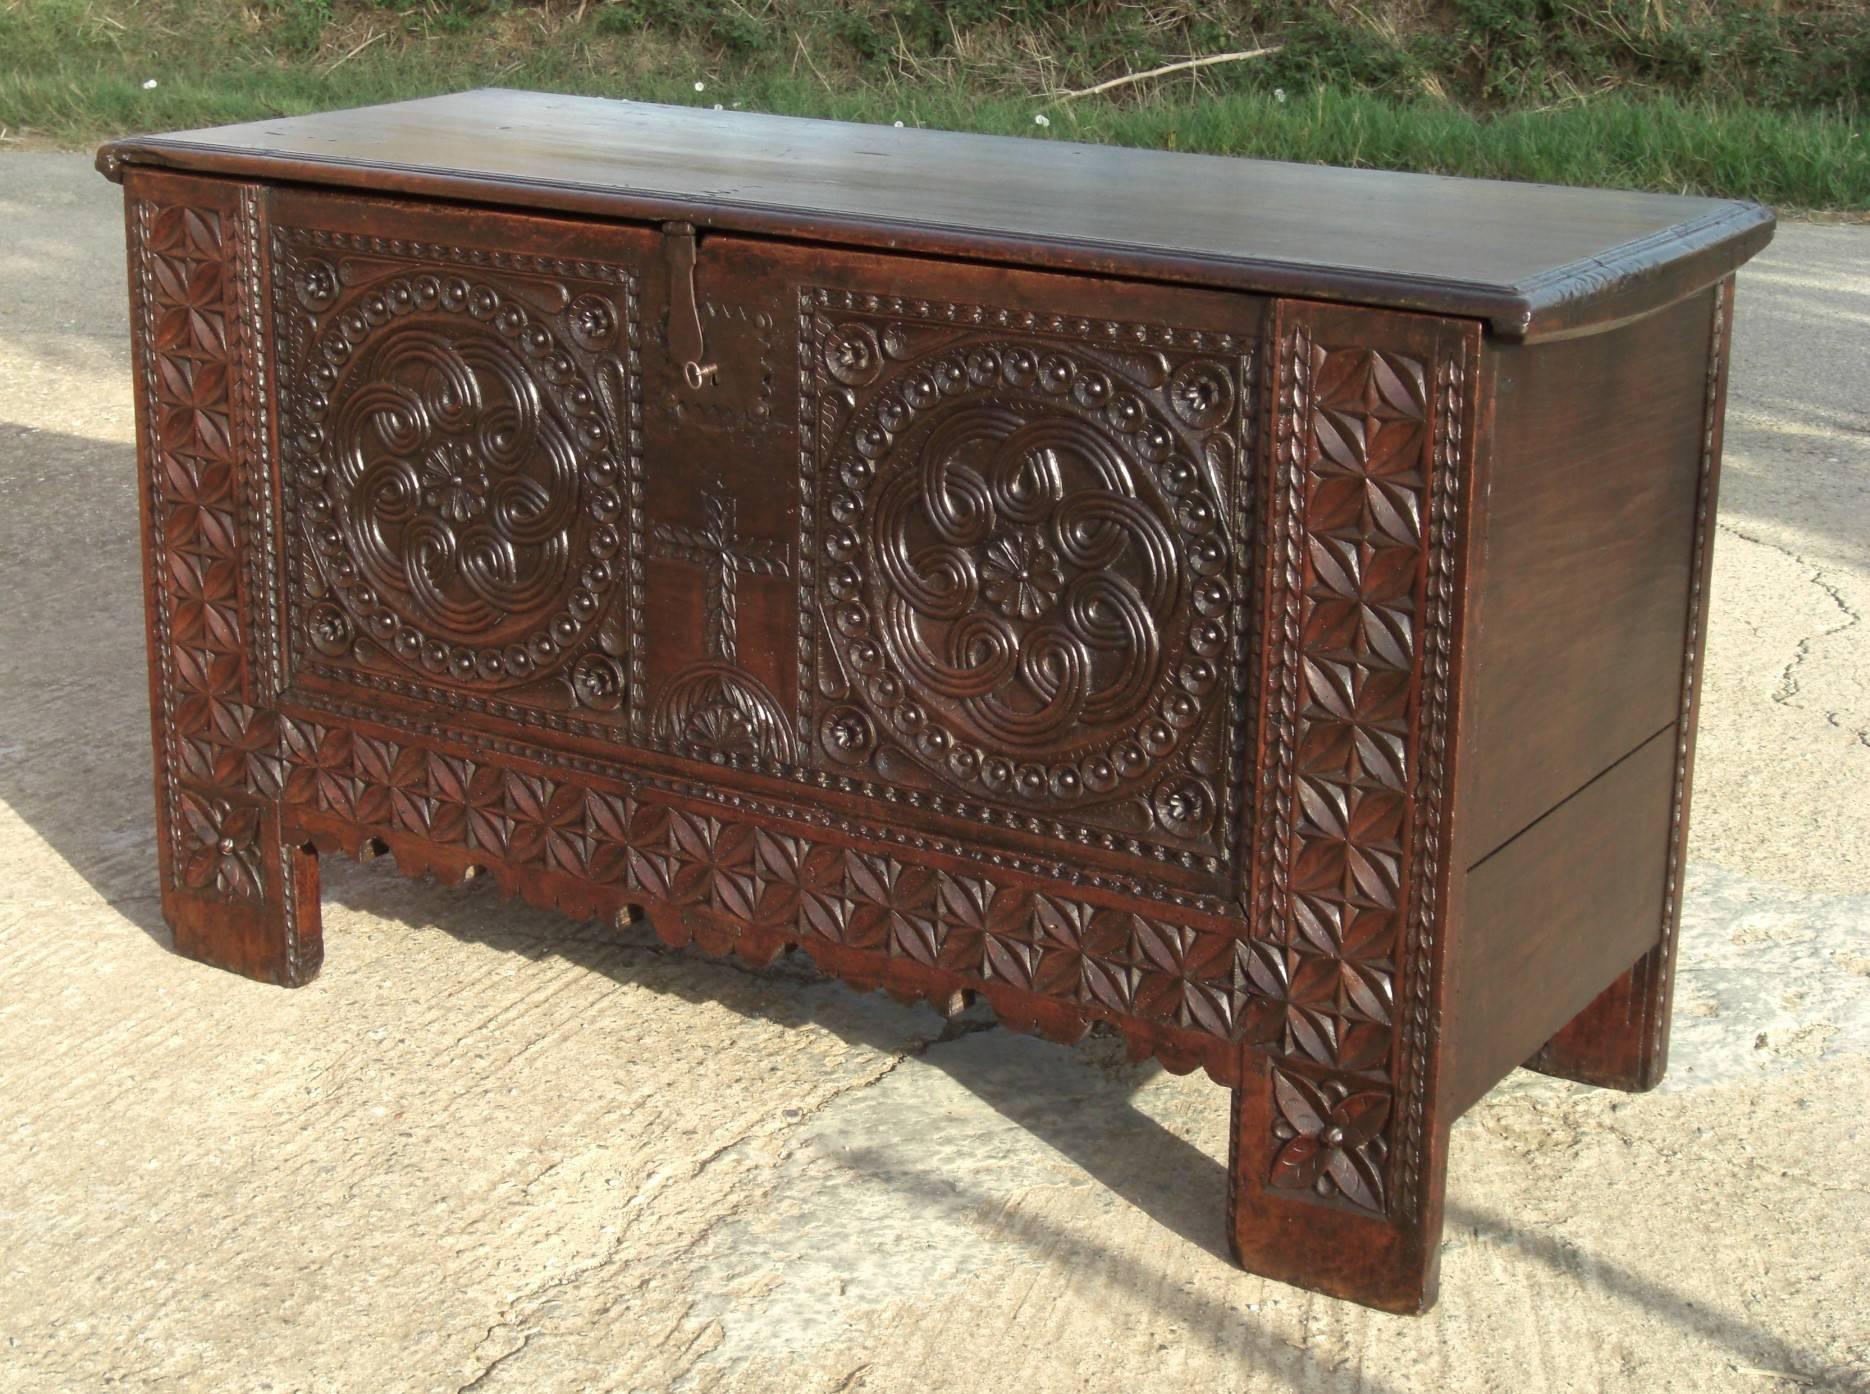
[725, 872]
[1365, 495]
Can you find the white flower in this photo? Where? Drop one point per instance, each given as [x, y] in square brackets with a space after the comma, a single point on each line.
[701, 87]
[149, 84]
[1042, 120]
[1279, 94]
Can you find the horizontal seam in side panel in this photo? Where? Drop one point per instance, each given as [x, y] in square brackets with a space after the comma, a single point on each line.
[1629, 754]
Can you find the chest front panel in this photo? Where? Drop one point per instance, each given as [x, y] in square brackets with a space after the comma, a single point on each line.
[904, 539]
[1079, 642]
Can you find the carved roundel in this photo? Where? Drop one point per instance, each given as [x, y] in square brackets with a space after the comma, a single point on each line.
[459, 484]
[1026, 568]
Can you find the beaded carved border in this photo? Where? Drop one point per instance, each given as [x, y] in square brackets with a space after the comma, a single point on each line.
[1663, 995]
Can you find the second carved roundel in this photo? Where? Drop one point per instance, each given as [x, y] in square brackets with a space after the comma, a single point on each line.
[1027, 565]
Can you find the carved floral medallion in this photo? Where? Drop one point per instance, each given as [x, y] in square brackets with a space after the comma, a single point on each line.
[1029, 567]
[458, 444]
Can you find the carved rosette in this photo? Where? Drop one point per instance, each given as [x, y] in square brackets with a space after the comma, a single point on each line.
[461, 442]
[1330, 1138]
[1028, 572]
[1360, 624]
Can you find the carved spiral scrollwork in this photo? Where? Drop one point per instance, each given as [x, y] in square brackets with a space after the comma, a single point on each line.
[458, 480]
[1024, 568]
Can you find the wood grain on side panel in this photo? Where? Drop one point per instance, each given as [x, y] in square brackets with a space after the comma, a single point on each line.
[1582, 576]
[1555, 914]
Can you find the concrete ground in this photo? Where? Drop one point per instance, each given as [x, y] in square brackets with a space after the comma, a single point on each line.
[494, 1149]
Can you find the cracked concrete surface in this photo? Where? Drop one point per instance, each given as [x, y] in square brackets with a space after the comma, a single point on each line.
[493, 1149]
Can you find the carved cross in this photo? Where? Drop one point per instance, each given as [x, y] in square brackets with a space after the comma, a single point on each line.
[716, 548]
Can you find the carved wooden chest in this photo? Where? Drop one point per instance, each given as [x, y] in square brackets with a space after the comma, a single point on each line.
[1250, 607]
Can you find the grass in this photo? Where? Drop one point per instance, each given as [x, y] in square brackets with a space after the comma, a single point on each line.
[74, 71]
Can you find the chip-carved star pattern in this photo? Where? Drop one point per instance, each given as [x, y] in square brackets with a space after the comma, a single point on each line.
[218, 755]
[1330, 1138]
[1350, 539]
[1100, 961]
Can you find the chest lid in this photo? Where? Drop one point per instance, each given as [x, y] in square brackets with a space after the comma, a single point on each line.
[1534, 260]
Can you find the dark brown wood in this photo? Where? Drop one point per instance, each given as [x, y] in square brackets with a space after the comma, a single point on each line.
[1561, 910]
[1285, 1125]
[1621, 1040]
[1582, 579]
[1119, 652]
[1337, 1162]
[1535, 260]
[237, 890]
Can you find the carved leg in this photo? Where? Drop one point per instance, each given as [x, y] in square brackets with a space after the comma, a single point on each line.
[1620, 1041]
[256, 909]
[1339, 1143]
[1312, 1199]
[237, 892]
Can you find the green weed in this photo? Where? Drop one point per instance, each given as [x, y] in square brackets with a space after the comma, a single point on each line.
[1747, 99]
